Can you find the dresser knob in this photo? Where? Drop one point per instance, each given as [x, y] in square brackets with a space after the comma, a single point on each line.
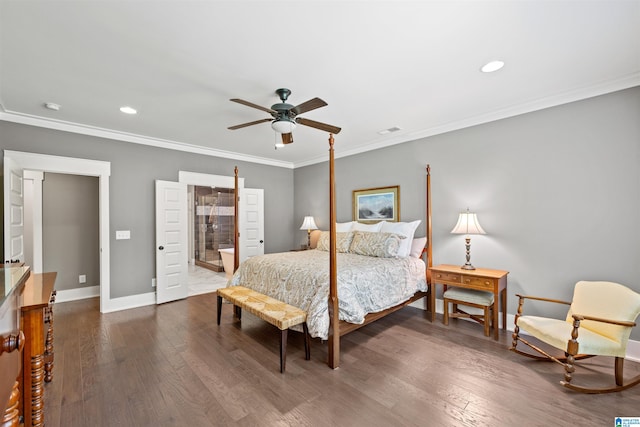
[12, 342]
[467, 280]
[487, 283]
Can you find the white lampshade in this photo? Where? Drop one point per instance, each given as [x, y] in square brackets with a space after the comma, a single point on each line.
[308, 224]
[283, 126]
[467, 224]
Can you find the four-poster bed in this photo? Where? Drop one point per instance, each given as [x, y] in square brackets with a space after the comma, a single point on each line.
[405, 288]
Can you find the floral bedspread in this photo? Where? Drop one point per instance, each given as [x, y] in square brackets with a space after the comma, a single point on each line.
[365, 284]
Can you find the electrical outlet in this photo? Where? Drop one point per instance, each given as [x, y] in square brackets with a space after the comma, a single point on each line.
[123, 234]
[153, 282]
[82, 278]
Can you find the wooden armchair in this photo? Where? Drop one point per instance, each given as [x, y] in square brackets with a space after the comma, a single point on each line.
[598, 323]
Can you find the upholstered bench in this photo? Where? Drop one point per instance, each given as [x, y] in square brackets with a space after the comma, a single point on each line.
[470, 297]
[278, 313]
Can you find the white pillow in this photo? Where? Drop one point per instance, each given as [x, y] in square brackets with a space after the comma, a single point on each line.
[358, 226]
[406, 229]
[417, 246]
[344, 227]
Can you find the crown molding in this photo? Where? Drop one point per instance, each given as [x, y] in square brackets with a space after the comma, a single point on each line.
[26, 119]
[626, 82]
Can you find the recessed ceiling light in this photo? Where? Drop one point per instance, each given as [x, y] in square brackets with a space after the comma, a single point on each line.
[128, 110]
[52, 106]
[492, 66]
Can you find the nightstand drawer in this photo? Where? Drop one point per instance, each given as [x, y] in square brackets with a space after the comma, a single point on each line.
[478, 282]
[448, 277]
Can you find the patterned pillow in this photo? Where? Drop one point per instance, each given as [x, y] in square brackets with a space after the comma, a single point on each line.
[343, 241]
[383, 245]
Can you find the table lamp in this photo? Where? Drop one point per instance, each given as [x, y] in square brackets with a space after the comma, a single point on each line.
[308, 224]
[468, 224]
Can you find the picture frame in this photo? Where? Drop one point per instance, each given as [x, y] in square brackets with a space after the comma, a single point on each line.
[373, 205]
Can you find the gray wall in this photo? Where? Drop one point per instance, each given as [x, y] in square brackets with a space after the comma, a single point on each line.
[557, 191]
[70, 229]
[134, 169]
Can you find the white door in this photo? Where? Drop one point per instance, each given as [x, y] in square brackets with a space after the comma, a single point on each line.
[252, 220]
[13, 211]
[171, 241]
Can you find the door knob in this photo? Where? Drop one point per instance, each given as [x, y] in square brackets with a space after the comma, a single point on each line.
[161, 247]
[261, 241]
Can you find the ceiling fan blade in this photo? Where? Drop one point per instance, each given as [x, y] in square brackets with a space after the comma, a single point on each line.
[252, 105]
[311, 104]
[287, 138]
[244, 125]
[322, 126]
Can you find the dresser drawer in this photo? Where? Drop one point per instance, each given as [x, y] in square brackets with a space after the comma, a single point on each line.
[448, 277]
[478, 282]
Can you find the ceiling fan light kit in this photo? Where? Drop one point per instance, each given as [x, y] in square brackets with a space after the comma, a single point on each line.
[283, 126]
[284, 116]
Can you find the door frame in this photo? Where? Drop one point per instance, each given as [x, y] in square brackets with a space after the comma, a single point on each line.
[86, 167]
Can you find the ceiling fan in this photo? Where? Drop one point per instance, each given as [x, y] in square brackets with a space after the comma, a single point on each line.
[284, 117]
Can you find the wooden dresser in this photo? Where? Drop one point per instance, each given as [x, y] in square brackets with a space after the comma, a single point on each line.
[12, 282]
[36, 320]
[26, 324]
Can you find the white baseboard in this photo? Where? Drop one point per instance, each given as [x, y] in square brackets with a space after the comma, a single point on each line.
[116, 304]
[633, 347]
[66, 295]
[126, 303]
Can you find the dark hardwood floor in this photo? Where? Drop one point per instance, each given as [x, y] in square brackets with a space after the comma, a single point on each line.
[171, 365]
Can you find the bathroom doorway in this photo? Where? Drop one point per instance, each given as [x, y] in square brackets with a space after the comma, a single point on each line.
[213, 225]
[211, 213]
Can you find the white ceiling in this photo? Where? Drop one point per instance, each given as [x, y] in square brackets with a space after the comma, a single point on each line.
[378, 64]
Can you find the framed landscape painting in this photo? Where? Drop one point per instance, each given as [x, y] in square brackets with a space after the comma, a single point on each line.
[377, 204]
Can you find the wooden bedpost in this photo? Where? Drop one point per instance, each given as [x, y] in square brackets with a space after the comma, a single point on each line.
[429, 229]
[334, 320]
[430, 301]
[236, 216]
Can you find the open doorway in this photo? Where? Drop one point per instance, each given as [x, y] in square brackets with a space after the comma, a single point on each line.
[201, 279]
[21, 161]
[211, 237]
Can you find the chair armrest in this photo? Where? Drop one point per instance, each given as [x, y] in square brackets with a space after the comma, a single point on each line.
[557, 301]
[580, 317]
[522, 298]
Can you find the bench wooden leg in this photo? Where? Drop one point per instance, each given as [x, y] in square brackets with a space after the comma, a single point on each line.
[219, 308]
[283, 349]
[307, 342]
[238, 311]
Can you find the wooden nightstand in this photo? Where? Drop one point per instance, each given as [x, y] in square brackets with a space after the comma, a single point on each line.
[482, 279]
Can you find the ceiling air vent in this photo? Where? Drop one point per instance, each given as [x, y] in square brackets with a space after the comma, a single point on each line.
[390, 130]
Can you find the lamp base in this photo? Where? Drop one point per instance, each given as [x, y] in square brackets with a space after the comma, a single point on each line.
[468, 266]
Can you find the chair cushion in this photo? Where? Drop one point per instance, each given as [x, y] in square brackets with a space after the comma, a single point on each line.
[469, 295]
[557, 333]
[607, 300]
